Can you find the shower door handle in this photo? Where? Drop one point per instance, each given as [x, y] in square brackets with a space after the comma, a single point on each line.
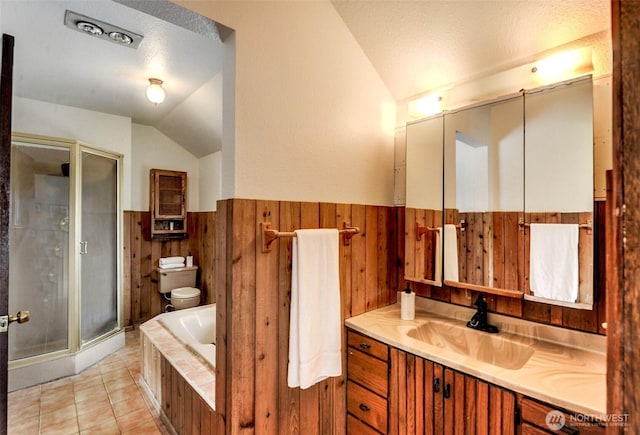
[84, 248]
[20, 317]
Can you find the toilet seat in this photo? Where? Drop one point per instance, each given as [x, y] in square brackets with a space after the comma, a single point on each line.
[185, 293]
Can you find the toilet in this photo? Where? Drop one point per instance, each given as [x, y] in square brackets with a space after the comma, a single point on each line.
[178, 286]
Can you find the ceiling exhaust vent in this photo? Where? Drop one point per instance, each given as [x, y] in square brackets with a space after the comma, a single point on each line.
[102, 30]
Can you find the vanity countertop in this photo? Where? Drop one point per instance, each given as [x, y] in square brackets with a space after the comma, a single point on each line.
[566, 368]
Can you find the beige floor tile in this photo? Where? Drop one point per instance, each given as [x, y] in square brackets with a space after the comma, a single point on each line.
[135, 418]
[88, 406]
[56, 384]
[117, 384]
[88, 382]
[125, 393]
[55, 402]
[103, 399]
[99, 417]
[96, 392]
[133, 403]
[25, 427]
[146, 428]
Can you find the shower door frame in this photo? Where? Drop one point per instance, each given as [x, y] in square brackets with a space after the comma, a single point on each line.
[74, 332]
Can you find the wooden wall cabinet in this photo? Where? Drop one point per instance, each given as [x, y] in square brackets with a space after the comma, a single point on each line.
[167, 204]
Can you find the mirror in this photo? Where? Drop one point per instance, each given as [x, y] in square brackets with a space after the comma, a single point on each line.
[424, 199]
[559, 194]
[484, 197]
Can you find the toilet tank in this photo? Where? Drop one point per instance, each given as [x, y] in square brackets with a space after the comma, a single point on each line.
[169, 279]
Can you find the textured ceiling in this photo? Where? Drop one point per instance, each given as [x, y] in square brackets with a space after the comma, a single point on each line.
[56, 64]
[417, 46]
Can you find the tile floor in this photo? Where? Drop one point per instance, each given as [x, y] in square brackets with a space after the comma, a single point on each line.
[103, 399]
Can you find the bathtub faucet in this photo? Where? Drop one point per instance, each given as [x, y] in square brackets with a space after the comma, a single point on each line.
[479, 320]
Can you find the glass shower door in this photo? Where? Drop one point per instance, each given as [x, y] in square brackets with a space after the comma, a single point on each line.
[39, 248]
[98, 245]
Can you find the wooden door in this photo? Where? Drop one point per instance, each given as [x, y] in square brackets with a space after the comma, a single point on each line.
[6, 85]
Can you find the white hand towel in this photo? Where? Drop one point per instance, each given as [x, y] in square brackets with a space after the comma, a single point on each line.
[172, 266]
[315, 333]
[553, 263]
[170, 260]
[450, 252]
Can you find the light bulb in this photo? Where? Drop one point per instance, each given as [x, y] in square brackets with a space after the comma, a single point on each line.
[155, 91]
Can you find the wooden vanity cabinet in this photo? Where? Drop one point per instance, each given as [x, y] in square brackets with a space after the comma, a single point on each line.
[426, 397]
[367, 385]
[534, 420]
[167, 204]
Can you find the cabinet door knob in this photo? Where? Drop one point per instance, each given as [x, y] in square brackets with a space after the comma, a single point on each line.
[447, 391]
[364, 345]
[364, 407]
[436, 385]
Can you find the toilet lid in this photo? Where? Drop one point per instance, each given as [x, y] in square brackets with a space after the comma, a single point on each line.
[185, 292]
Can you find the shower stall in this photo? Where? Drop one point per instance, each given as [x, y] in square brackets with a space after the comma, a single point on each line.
[65, 257]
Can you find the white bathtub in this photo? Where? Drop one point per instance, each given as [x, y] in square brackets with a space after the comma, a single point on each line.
[196, 328]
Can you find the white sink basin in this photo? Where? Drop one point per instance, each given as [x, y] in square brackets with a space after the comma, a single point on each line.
[502, 349]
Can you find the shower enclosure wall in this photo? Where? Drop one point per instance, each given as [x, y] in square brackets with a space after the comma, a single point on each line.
[65, 261]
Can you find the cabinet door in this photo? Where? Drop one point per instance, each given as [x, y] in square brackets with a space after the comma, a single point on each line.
[169, 195]
[425, 397]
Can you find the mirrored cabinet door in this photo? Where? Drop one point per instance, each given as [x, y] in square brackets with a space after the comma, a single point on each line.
[484, 197]
[424, 199]
[559, 194]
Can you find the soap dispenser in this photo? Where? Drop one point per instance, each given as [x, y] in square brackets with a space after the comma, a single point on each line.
[407, 304]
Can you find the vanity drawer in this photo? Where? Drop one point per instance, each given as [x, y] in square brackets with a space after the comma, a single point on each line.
[536, 413]
[368, 371]
[367, 406]
[368, 345]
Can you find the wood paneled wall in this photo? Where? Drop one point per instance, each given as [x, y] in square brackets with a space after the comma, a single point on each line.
[623, 344]
[585, 320]
[142, 300]
[254, 287]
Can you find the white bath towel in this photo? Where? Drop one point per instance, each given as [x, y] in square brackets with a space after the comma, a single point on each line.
[315, 338]
[450, 252]
[172, 266]
[170, 260]
[553, 264]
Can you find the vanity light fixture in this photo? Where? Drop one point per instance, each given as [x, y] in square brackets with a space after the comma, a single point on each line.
[155, 91]
[425, 106]
[563, 66]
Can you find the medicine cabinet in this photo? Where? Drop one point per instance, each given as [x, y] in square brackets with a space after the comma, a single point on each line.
[478, 177]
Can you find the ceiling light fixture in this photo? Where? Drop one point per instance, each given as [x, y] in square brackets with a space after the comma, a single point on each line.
[155, 91]
[102, 30]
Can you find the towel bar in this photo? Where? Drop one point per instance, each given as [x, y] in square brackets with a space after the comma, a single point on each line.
[423, 230]
[269, 234]
[586, 226]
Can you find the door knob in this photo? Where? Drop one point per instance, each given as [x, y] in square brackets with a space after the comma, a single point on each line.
[20, 317]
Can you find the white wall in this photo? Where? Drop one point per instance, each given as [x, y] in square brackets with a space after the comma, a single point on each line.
[210, 181]
[101, 130]
[313, 120]
[152, 149]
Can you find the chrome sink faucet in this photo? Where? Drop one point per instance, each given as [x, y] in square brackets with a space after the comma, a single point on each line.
[479, 320]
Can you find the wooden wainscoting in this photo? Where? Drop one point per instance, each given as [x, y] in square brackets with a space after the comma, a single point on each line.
[252, 395]
[140, 260]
